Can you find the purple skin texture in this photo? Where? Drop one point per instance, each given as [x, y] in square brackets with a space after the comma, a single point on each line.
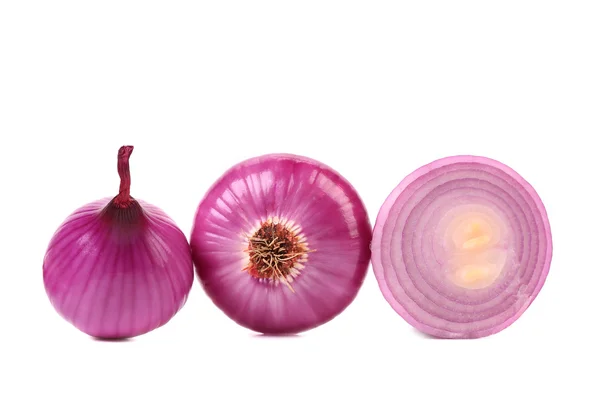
[112, 282]
[304, 192]
[405, 254]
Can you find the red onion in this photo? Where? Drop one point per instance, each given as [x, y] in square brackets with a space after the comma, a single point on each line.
[461, 247]
[281, 243]
[119, 267]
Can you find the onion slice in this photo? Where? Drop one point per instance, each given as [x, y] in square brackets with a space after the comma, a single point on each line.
[281, 243]
[461, 247]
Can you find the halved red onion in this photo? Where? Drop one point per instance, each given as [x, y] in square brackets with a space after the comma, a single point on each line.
[281, 243]
[461, 247]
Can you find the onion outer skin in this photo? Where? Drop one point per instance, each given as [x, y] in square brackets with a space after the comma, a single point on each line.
[282, 185]
[130, 285]
[386, 270]
[118, 267]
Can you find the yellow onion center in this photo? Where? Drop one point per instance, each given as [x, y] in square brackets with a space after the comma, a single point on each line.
[477, 256]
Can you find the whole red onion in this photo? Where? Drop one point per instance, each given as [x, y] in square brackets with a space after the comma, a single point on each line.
[461, 247]
[281, 243]
[119, 267]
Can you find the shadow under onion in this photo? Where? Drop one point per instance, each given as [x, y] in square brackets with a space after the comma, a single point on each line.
[276, 335]
[116, 340]
[424, 335]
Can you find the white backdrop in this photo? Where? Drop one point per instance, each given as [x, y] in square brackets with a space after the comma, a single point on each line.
[374, 89]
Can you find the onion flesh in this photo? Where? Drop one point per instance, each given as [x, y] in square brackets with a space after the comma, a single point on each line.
[281, 243]
[461, 247]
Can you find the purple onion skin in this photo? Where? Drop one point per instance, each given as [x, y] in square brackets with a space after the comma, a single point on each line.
[399, 238]
[118, 272]
[332, 218]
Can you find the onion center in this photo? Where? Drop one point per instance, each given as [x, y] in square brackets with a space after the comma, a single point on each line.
[276, 252]
[475, 242]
